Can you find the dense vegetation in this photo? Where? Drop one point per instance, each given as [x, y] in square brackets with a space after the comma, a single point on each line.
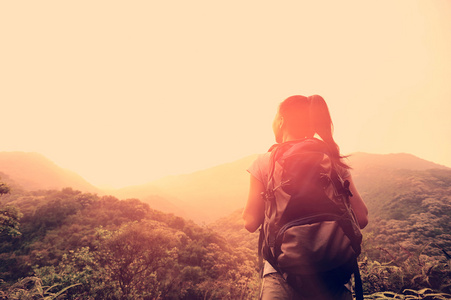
[73, 245]
[103, 248]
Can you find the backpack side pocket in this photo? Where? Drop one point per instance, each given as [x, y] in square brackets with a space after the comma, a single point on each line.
[305, 249]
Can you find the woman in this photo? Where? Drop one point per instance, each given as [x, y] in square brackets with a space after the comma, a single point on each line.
[297, 118]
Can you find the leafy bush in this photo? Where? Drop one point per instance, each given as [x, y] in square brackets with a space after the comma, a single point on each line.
[32, 288]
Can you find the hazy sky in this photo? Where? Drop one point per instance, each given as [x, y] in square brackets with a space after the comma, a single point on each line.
[124, 92]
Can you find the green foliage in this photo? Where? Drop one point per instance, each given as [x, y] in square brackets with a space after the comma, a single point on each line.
[32, 288]
[4, 188]
[9, 217]
[138, 254]
[407, 271]
[409, 232]
[409, 294]
[9, 222]
[105, 248]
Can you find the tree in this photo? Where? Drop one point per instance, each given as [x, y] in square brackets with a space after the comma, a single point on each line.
[4, 189]
[9, 217]
[137, 258]
[9, 222]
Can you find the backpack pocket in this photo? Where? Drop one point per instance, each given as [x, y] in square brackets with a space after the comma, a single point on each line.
[305, 249]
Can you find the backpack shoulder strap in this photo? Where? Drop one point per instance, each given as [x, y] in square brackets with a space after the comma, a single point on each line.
[358, 286]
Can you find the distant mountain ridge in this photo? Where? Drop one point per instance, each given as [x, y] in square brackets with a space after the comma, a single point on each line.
[203, 196]
[33, 171]
[391, 161]
[213, 193]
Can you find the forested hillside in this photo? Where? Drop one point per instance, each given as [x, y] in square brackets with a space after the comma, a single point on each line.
[104, 248]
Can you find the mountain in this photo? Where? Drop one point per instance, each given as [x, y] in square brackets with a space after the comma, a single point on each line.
[207, 195]
[361, 161]
[33, 171]
[383, 177]
[202, 196]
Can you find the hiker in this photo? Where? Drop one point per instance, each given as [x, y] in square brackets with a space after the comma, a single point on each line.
[300, 119]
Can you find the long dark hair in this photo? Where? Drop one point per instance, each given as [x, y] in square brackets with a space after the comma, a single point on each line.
[306, 116]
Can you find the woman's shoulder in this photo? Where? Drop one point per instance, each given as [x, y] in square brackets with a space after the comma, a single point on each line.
[260, 167]
[344, 172]
[262, 160]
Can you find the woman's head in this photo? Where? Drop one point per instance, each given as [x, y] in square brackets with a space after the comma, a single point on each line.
[301, 117]
[292, 120]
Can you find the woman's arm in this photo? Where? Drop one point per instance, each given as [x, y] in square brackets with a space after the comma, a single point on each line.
[357, 204]
[254, 210]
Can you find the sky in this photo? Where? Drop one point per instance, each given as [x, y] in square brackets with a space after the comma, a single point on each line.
[125, 92]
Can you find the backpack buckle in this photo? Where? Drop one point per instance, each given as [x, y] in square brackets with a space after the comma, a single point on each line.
[268, 195]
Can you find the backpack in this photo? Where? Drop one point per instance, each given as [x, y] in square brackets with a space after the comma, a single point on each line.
[309, 229]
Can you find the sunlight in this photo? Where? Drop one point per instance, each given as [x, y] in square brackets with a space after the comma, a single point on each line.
[120, 110]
